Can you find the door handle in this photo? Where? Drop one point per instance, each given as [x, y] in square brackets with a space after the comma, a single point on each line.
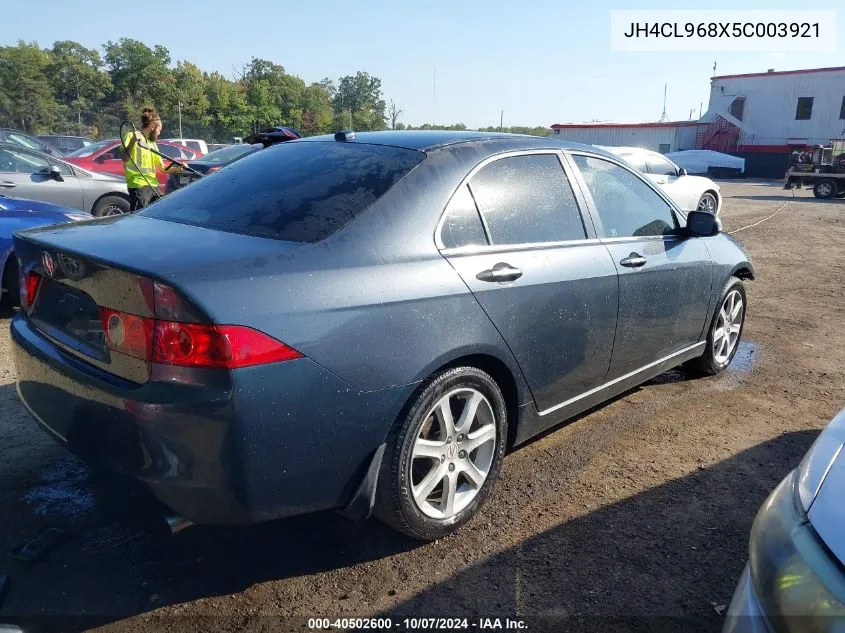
[634, 260]
[8, 184]
[661, 181]
[500, 272]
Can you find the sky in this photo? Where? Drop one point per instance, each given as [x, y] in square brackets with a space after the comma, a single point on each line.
[539, 61]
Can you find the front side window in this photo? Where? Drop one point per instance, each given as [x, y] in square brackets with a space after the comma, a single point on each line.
[637, 160]
[301, 191]
[527, 199]
[661, 166]
[462, 224]
[804, 110]
[22, 162]
[626, 205]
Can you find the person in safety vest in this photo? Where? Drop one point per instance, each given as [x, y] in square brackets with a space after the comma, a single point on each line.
[139, 163]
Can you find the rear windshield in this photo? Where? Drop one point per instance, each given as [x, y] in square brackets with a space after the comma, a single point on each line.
[295, 191]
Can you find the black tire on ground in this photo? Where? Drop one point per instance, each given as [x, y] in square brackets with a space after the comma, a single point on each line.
[825, 189]
[707, 364]
[10, 283]
[394, 502]
[110, 205]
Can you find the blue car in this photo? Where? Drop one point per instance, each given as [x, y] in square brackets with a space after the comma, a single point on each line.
[17, 214]
[366, 322]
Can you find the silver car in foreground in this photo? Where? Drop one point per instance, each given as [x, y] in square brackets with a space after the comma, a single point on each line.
[795, 577]
[27, 173]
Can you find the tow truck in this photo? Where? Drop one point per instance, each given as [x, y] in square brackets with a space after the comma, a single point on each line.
[820, 168]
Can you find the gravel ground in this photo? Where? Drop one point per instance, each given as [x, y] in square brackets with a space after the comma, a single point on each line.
[638, 509]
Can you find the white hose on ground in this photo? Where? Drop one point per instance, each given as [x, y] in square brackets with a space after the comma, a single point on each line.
[768, 217]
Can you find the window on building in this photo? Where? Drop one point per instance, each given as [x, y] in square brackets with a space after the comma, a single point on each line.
[842, 109]
[805, 109]
[664, 148]
[738, 108]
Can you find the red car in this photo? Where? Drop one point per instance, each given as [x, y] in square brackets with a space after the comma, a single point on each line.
[104, 156]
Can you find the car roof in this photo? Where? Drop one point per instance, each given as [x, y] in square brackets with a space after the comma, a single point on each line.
[427, 140]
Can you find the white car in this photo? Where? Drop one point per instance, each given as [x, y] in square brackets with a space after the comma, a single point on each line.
[196, 144]
[691, 193]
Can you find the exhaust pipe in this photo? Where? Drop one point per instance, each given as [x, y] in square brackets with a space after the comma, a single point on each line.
[177, 523]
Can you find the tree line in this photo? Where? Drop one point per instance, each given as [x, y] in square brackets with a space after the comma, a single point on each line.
[71, 89]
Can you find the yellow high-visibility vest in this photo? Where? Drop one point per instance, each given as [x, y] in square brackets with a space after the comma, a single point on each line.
[144, 174]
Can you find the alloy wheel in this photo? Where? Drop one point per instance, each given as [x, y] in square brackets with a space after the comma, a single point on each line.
[112, 209]
[707, 203]
[453, 453]
[824, 189]
[728, 327]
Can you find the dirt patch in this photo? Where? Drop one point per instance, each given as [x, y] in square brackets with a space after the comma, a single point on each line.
[640, 508]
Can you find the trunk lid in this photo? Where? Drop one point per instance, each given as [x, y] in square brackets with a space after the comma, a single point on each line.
[111, 263]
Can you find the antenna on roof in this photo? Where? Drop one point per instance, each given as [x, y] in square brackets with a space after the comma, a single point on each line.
[664, 116]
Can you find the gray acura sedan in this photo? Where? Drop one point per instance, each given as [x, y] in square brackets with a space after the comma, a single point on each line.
[365, 322]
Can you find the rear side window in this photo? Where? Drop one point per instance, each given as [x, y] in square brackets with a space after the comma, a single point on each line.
[462, 224]
[296, 191]
[527, 199]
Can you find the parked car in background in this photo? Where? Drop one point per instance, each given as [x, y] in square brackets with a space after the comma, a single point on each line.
[17, 214]
[26, 173]
[105, 157]
[66, 144]
[215, 146]
[16, 137]
[210, 163]
[795, 578]
[273, 135]
[692, 193]
[370, 320]
[195, 144]
[707, 162]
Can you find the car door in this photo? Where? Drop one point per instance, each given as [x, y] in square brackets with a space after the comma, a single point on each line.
[665, 274]
[665, 175]
[515, 233]
[109, 161]
[26, 174]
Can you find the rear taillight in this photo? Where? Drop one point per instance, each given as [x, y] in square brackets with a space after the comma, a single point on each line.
[191, 344]
[28, 283]
[224, 346]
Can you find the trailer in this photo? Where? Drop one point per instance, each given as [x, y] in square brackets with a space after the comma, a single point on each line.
[820, 168]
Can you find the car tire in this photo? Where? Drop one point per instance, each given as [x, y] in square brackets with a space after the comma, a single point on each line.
[435, 475]
[824, 189]
[708, 203]
[10, 284]
[716, 358]
[110, 205]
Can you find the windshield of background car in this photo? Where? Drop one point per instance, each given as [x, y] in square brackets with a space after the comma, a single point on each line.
[88, 150]
[297, 191]
[228, 154]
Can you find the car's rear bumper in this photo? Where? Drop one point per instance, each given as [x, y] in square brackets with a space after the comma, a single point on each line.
[268, 441]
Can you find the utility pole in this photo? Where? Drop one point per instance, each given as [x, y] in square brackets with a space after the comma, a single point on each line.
[501, 119]
[664, 116]
[180, 121]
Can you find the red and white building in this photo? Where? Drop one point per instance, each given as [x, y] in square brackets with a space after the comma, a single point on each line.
[761, 117]
[764, 116]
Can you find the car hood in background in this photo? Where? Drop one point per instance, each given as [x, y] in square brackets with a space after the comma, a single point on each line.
[36, 208]
[697, 161]
[826, 462]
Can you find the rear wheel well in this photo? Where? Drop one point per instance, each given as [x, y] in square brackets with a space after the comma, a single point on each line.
[500, 373]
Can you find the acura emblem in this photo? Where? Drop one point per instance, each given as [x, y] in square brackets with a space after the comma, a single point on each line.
[71, 267]
[49, 263]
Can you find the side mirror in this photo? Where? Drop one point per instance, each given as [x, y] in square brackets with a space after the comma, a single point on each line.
[55, 173]
[703, 224]
[682, 171]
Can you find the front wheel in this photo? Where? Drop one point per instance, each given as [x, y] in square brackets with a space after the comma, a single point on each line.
[110, 205]
[725, 331]
[708, 203]
[824, 189]
[444, 456]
